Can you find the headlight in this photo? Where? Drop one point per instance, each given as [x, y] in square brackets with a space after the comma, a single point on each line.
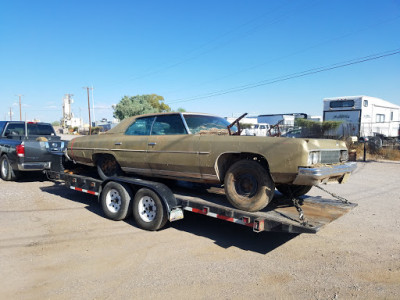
[344, 155]
[314, 157]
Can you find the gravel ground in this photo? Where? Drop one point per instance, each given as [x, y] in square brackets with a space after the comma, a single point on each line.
[56, 244]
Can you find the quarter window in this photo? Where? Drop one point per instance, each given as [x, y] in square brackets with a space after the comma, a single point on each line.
[365, 103]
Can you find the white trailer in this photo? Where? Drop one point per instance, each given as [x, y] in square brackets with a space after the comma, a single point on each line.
[363, 116]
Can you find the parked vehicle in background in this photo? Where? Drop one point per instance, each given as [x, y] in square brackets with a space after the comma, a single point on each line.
[26, 146]
[259, 129]
[197, 148]
[363, 116]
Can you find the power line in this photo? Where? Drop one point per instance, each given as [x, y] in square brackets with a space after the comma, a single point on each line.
[224, 44]
[291, 76]
[256, 66]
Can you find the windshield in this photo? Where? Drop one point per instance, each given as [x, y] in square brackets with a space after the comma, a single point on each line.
[197, 123]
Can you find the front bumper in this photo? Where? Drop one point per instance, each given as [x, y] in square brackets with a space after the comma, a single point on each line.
[34, 166]
[324, 174]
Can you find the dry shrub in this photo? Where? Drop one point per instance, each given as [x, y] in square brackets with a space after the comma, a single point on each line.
[387, 153]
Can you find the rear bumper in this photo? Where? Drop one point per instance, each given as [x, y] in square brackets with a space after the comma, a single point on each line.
[324, 174]
[34, 166]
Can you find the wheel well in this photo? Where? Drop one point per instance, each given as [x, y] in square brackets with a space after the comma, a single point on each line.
[228, 159]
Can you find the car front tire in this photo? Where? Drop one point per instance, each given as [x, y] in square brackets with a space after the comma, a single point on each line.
[248, 185]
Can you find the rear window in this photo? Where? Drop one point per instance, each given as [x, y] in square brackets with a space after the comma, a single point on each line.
[40, 129]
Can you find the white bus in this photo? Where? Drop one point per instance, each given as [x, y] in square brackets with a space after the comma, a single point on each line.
[363, 116]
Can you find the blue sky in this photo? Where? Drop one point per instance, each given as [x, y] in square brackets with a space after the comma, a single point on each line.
[187, 51]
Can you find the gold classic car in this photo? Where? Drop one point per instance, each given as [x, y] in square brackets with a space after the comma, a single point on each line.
[206, 148]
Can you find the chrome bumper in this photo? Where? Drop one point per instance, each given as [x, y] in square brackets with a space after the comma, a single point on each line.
[34, 166]
[324, 174]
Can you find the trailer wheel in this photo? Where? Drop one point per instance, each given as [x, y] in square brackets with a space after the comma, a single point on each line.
[248, 186]
[292, 190]
[115, 200]
[148, 210]
[108, 167]
[6, 171]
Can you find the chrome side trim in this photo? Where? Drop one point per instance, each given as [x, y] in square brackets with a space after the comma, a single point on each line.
[147, 151]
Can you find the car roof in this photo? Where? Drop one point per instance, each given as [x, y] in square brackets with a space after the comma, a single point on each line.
[123, 125]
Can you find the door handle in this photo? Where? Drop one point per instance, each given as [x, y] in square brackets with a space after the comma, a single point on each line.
[118, 144]
[152, 144]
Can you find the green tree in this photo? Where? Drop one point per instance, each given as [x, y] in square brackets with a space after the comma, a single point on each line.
[139, 105]
[56, 123]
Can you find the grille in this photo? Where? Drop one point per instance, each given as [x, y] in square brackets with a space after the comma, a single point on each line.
[330, 157]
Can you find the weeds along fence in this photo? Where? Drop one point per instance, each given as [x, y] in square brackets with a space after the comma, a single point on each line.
[374, 137]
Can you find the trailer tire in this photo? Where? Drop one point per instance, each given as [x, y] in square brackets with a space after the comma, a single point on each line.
[6, 171]
[148, 210]
[248, 185]
[116, 200]
[108, 167]
[292, 190]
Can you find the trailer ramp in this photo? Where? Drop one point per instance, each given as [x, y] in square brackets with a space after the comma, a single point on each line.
[279, 216]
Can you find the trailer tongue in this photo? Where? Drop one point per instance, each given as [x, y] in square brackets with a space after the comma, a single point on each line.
[155, 203]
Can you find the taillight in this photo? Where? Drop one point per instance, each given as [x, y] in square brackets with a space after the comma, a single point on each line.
[20, 150]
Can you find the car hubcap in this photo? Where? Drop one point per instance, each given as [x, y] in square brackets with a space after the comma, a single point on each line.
[4, 168]
[147, 209]
[113, 201]
[246, 185]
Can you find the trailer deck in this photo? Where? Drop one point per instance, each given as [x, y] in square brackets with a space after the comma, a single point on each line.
[280, 215]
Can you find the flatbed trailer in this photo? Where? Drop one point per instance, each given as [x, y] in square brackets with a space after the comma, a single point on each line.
[154, 203]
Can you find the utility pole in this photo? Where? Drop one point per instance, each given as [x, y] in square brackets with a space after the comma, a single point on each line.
[88, 101]
[20, 112]
[10, 114]
[94, 115]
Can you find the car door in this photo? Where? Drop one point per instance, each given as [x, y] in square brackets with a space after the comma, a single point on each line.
[172, 152]
[130, 148]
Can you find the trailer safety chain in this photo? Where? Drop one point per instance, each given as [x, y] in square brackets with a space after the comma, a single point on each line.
[302, 218]
[343, 200]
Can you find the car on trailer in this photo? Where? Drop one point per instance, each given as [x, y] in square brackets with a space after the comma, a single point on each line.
[153, 203]
[206, 148]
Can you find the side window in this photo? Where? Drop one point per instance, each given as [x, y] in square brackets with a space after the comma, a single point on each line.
[365, 103]
[168, 125]
[380, 118]
[141, 126]
[15, 129]
[2, 124]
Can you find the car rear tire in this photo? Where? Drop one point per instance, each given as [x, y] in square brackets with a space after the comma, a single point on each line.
[116, 200]
[248, 186]
[6, 171]
[148, 210]
[292, 190]
[108, 167]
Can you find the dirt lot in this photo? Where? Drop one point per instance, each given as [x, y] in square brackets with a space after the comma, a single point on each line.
[56, 244]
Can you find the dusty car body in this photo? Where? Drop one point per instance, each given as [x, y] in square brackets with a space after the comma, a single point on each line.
[196, 147]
